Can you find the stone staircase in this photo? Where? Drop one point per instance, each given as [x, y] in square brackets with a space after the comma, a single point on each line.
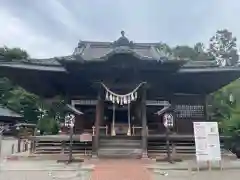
[120, 147]
[62, 147]
[158, 147]
[182, 146]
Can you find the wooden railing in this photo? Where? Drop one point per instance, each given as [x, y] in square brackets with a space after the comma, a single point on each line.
[134, 128]
[100, 127]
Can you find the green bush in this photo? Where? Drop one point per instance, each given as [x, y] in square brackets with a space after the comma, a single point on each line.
[231, 129]
[48, 126]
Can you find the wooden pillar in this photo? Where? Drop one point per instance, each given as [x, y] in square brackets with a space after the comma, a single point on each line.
[98, 119]
[144, 123]
[79, 124]
[206, 97]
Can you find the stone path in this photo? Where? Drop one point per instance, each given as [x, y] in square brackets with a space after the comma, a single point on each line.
[120, 170]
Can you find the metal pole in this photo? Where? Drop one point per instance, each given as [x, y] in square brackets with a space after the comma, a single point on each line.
[1, 133]
[168, 145]
[113, 122]
[129, 121]
[70, 144]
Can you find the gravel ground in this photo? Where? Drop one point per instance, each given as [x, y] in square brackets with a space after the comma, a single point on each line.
[204, 175]
[41, 170]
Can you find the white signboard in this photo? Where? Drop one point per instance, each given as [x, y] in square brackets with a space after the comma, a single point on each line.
[207, 141]
[213, 141]
[85, 137]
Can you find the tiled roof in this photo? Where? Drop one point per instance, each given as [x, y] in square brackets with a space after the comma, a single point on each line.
[100, 51]
[8, 113]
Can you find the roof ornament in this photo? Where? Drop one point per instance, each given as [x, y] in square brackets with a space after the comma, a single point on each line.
[164, 54]
[78, 50]
[123, 33]
[122, 41]
[80, 44]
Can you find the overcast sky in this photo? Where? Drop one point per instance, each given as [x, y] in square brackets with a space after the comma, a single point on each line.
[48, 28]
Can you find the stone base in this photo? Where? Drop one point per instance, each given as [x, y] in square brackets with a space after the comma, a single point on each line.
[94, 157]
[145, 155]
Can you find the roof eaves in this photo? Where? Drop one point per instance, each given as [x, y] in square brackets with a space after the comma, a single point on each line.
[209, 69]
[202, 64]
[155, 53]
[30, 66]
[5, 112]
[124, 50]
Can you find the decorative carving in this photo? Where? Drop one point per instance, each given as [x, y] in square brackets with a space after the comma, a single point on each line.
[189, 111]
[122, 41]
[80, 44]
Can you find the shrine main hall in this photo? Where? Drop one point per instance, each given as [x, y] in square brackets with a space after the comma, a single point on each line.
[125, 91]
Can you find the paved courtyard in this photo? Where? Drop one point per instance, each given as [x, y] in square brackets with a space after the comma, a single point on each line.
[42, 170]
[104, 170]
[107, 169]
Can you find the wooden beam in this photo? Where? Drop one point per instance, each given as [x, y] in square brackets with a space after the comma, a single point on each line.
[144, 123]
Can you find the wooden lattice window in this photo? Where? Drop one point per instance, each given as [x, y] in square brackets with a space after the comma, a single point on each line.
[189, 111]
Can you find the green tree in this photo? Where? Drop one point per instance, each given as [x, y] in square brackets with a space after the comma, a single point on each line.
[5, 87]
[13, 53]
[223, 47]
[24, 103]
[195, 53]
[200, 53]
[15, 97]
[184, 52]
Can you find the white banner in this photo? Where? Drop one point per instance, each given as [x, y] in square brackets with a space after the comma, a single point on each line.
[207, 141]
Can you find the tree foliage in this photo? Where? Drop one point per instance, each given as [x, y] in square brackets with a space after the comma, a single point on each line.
[33, 108]
[13, 53]
[223, 46]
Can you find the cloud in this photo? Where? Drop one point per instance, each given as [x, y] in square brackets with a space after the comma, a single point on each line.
[17, 34]
[48, 28]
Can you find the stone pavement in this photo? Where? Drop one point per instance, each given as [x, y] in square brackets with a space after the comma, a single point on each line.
[120, 169]
[188, 170]
[202, 175]
[117, 169]
[43, 170]
[191, 164]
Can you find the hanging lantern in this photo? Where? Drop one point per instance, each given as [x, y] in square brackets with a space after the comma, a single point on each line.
[231, 98]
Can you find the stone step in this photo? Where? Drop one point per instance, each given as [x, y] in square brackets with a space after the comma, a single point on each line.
[120, 140]
[119, 153]
[59, 152]
[120, 137]
[120, 143]
[121, 156]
